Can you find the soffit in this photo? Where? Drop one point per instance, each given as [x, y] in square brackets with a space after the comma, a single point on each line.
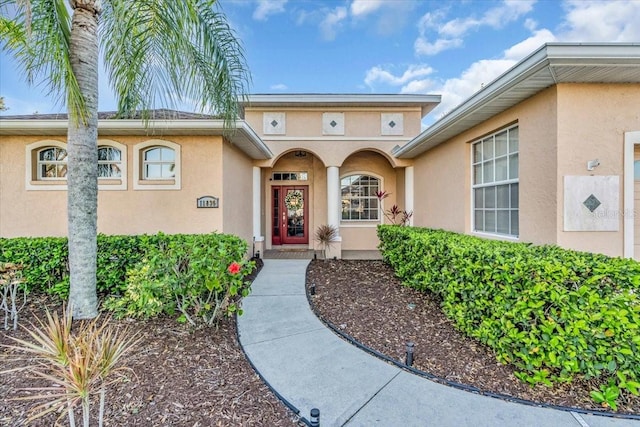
[241, 134]
[550, 65]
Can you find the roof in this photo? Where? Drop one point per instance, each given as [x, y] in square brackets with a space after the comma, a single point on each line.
[161, 122]
[551, 64]
[425, 102]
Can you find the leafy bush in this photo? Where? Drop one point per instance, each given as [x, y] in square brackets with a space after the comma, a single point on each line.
[144, 275]
[200, 276]
[555, 314]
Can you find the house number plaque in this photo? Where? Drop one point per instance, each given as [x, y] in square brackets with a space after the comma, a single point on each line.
[207, 202]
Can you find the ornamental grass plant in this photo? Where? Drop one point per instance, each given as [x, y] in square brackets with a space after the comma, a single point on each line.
[80, 360]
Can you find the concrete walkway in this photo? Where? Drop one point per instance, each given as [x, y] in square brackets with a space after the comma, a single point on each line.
[311, 367]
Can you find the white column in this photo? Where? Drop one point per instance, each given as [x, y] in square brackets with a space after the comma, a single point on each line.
[333, 196]
[408, 191]
[257, 205]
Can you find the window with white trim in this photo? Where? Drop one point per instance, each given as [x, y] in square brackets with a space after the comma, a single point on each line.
[359, 199]
[158, 163]
[109, 162]
[52, 164]
[496, 183]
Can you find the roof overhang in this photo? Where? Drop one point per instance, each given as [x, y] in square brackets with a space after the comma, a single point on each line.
[426, 103]
[239, 133]
[551, 64]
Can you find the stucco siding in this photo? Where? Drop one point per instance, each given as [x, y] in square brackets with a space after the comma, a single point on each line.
[237, 196]
[362, 234]
[443, 174]
[132, 211]
[592, 119]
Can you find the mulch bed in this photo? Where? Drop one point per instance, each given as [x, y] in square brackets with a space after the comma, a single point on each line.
[367, 302]
[179, 377]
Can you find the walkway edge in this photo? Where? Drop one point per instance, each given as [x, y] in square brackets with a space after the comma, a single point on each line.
[460, 386]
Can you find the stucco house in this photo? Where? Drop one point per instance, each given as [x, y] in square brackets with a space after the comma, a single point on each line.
[549, 152]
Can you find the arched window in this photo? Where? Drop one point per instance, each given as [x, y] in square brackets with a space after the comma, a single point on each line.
[52, 163]
[359, 199]
[159, 163]
[109, 162]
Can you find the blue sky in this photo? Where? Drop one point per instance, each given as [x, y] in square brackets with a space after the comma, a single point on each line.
[450, 48]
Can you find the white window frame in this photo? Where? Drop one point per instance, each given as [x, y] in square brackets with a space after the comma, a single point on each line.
[139, 181]
[40, 163]
[114, 183]
[363, 222]
[495, 184]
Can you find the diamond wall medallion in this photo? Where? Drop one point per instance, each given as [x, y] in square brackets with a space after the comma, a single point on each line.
[274, 123]
[391, 124]
[333, 123]
[592, 203]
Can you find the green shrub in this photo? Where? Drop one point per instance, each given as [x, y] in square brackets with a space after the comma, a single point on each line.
[199, 276]
[555, 314]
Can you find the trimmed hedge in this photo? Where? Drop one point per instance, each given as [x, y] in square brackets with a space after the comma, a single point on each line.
[46, 259]
[555, 314]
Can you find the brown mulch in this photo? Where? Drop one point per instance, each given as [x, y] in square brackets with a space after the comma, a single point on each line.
[179, 376]
[367, 302]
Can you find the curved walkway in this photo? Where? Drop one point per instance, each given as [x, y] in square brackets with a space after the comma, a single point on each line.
[309, 366]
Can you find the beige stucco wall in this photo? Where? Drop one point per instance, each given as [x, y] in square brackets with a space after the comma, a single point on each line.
[362, 132]
[362, 234]
[237, 196]
[443, 174]
[560, 128]
[43, 213]
[592, 120]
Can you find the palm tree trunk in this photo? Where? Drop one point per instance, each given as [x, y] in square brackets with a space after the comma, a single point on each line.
[82, 176]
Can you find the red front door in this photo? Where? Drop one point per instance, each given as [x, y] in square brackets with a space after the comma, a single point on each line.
[289, 210]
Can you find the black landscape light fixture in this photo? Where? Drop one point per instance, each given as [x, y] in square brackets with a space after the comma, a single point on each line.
[312, 291]
[409, 359]
[314, 419]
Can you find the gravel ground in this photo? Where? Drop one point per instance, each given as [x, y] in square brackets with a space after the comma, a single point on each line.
[367, 302]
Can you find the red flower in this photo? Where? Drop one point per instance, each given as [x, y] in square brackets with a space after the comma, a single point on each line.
[234, 268]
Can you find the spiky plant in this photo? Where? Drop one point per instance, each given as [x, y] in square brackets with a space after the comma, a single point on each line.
[80, 363]
[325, 235]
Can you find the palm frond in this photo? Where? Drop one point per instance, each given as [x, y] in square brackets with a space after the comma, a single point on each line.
[165, 52]
[37, 33]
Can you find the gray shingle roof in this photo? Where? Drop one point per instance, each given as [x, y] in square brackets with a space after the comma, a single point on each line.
[159, 114]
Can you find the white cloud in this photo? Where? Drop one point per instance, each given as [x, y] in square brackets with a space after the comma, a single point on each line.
[527, 46]
[380, 75]
[268, 7]
[365, 7]
[332, 21]
[279, 86]
[601, 21]
[423, 47]
[450, 34]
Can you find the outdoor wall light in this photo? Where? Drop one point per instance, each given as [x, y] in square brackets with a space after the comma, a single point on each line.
[592, 164]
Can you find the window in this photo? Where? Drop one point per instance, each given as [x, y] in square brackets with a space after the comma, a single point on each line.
[52, 163]
[495, 184]
[46, 165]
[159, 163]
[359, 200]
[290, 176]
[636, 170]
[109, 162]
